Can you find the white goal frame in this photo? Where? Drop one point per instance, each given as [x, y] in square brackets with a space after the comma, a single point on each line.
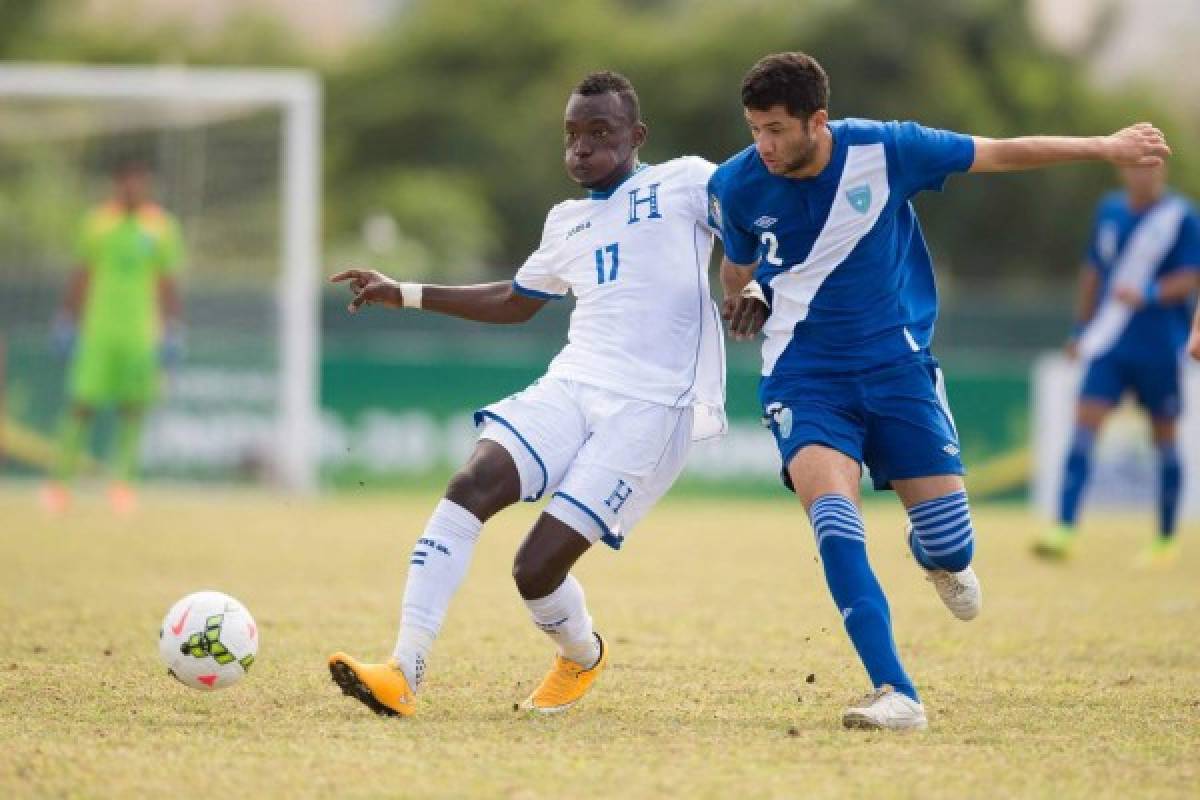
[297, 94]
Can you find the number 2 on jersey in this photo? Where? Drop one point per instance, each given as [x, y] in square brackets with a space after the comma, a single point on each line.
[600, 263]
[772, 244]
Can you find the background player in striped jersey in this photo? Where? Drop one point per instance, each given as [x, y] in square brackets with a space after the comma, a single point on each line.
[1140, 274]
[818, 213]
[607, 430]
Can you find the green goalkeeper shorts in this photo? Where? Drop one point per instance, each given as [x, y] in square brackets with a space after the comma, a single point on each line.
[106, 372]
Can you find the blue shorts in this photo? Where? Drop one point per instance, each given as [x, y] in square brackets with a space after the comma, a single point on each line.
[1153, 377]
[894, 420]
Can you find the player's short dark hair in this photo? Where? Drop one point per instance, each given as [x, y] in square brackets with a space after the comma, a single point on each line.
[792, 80]
[131, 163]
[604, 81]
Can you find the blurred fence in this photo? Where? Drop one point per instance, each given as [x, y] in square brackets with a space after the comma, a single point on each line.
[398, 389]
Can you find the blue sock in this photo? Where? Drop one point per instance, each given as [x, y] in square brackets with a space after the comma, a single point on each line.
[942, 536]
[858, 595]
[1075, 474]
[1170, 478]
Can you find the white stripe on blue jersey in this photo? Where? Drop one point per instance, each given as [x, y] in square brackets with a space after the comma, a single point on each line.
[1135, 267]
[848, 222]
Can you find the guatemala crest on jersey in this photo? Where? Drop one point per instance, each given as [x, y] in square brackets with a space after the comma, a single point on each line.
[781, 415]
[859, 197]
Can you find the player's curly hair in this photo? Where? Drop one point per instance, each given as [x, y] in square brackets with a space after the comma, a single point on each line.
[793, 80]
[604, 81]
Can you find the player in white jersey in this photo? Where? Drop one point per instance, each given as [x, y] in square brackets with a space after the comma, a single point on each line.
[606, 431]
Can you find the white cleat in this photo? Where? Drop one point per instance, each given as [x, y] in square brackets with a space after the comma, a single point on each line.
[959, 591]
[886, 709]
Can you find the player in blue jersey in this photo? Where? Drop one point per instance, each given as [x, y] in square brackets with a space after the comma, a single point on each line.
[1141, 271]
[816, 218]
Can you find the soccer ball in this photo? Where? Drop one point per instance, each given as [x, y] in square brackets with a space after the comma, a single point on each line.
[208, 640]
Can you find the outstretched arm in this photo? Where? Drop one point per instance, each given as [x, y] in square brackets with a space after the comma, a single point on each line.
[497, 302]
[744, 307]
[1140, 145]
[1089, 295]
[65, 327]
[77, 289]
[172, 345]
[1175, 287]
[734, 277]
[1194, 342]
[169, 300]
[1085, 305]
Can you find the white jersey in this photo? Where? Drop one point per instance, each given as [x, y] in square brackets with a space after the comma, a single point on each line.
[636, 259]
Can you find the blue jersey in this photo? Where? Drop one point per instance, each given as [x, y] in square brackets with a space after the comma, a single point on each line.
[840, 255]
[1114, 251]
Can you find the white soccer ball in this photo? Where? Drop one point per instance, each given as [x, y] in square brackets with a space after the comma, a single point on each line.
[208, 640]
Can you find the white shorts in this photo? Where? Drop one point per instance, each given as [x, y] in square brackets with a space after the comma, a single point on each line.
[604, 458]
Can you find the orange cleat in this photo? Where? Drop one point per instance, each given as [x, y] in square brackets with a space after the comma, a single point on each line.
[565, 684]
[380, 687]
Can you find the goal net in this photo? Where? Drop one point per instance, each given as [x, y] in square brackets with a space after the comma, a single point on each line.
[235, 155]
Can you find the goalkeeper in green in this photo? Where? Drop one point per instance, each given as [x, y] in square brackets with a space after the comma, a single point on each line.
[119, 324]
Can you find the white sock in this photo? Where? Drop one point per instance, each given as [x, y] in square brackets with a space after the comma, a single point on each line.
[563, 615]
[439, 561]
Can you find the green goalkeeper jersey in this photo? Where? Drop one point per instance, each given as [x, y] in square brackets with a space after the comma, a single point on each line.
[125, 253]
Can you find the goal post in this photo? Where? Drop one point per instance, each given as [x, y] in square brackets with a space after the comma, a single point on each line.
[186, 97]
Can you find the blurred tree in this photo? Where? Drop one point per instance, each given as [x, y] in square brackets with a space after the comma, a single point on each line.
[479, 87]
[429, 223]
[22, 21]
[447, 122]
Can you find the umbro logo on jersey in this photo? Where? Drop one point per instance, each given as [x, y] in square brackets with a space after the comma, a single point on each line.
[765, 222]
[583, 226]
[859, 197]
[951, 449]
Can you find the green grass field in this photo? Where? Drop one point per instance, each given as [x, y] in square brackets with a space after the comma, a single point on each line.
[1077, 681]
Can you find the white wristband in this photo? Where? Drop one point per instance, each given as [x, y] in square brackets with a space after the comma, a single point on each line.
[753, 289]
[410, 294]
